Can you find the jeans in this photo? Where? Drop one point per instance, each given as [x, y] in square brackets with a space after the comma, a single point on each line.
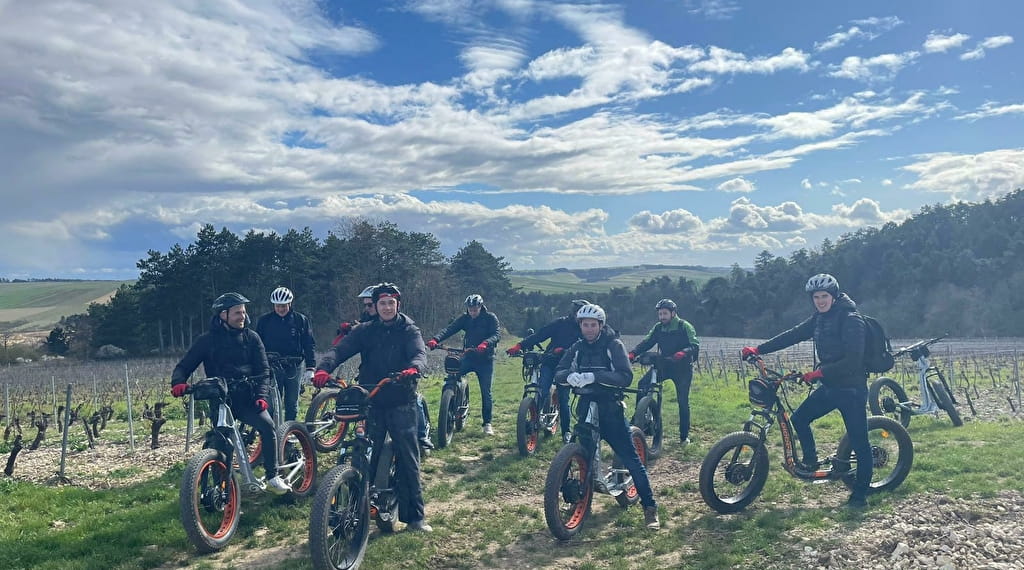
[682, 377]
[850, 401]
[484, 369]
[264, 424]
[547, 376]
[400, 421]
[615, 430]
[422, 421]
[288, 382]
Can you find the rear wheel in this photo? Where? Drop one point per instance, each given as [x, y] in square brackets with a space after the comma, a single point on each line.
[446, 418]
[327, 432]
[527, 426]
[945, 400]
[210, 501]
[385, 485]
[568, 492]
[631, 496]
[733, 473]
[883, 397]
[296, 459]
[339, 523]
[648, 418]
[892, 454]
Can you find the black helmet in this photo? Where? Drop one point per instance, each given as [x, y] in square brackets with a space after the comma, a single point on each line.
[228, 300]
[386, 290]
[577, 304]
[666, 304]
[474, 300]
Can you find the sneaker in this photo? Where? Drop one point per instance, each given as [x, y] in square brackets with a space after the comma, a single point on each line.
[651, 518]
[685, 441]
[856, 501]
[277, 486]
[419, 526]
[566, 438]
[488, 430]
[426, 444]
[808, 465]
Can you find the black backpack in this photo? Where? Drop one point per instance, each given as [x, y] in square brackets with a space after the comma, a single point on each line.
[877, 348]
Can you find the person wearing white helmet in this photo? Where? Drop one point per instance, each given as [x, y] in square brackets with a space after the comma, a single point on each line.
[597, 367]
[287, 333]
[369, 313]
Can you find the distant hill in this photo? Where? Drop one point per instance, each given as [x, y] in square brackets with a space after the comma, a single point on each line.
[602, 279]
[39, 305]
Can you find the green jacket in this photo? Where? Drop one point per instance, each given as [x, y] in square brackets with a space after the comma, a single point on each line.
[671, 337]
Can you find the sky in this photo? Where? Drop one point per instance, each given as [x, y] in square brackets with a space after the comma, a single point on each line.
[556, 133]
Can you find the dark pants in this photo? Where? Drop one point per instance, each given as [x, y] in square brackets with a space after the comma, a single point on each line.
[264, 424]
[422, 422]
[547, 376]
[851, 402]
[400, 421]
[682, 377]
[288, 380]
[615, 430]
[484, 369]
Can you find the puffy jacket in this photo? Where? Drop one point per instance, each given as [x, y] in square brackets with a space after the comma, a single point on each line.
[605, 357]
[484, 328]
[671, 337]
[228, 353]
[384, 348]
[562, 331]
[289, 335]
[838, 342]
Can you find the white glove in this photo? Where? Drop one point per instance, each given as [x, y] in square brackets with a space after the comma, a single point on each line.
[585, 378]
[308, 376]
[573, 379]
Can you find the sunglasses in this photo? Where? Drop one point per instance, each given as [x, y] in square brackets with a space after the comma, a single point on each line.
[367, 304]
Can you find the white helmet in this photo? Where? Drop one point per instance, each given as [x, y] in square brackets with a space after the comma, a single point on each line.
[367, 293]
[823, 282]
[590, 312]
[474, 300]
[281, 296]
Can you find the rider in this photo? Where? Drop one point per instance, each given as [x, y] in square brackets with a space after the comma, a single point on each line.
[288, 333]
[480, 338]
[562, 331]
[838, 333]
[234, 352]
[390, 344]
[678, 343]
[598, 365]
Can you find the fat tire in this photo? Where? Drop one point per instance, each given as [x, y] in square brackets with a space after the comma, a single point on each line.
[631, 496]
[460, 421]
[882, 427]
[647, 417]
[527, 427]
[758, 474]
[197, 469]
[570, 454]
[295, 445]
[321, 410]
[446, 418]
[875, 399]
[339, 522]
[385, 478]
[945, 402]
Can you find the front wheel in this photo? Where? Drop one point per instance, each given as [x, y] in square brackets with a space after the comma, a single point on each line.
[210, 501]
[568, 492]
[945, 400]
[327, 432]
[385, 483]
[446, 418]
[630, 496]
[527, 426]
[884, 395]
[892, 454]
[648, 418]
[339, 523]
[296, 458]
[734, 472]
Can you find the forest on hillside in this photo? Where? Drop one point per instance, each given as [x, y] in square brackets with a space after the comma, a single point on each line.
[956, 268]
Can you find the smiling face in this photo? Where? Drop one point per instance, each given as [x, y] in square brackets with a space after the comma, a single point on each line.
[387, 308]
[822, 301]
[234, 317]
[474, 312]
[282, 308]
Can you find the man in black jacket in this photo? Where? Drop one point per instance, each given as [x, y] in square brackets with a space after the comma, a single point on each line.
[838, 333]
[480, 338]
[390, 345]
[563, 332]
[231, 351]
[287, 333]
[596, 366]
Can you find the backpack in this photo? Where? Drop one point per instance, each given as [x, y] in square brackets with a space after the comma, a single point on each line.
[877, 348]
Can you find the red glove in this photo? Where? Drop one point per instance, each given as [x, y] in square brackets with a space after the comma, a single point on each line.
[261, 405]
[320, 378]
[558, 350]
[679, 355]
[810, 377]
[408, 372]
[431, 344]
[632, 357]
[345, 327]
[178, 390]
[482, 347]
[748, 351]
[515, 350]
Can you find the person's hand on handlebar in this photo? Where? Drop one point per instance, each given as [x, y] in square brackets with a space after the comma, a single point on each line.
[811, 376]
[432, 344]
[178, 390]
[320, 378]
[515, 350]
[749, 352]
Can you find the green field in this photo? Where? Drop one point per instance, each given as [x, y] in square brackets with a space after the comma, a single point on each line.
[36, 306]
[576, 280]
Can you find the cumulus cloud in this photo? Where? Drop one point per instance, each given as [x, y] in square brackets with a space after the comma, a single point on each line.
[992, 42]
[886, 182]
[746, 216]
[723, 61]
[938, 43]
[670, 222]
[969, 176]
[738, 184]
[806, 184]
[880, 67]
[866, 211]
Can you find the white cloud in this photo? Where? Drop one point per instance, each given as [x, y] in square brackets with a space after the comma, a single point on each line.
[745, 216]
[969, 176]
[806, 184]
[713, 9]
[938, 43]
[866, 211]
[886, 182]
[670, 222]
[991, 42]
[839, 38]
[852, 181]
[723, 61]
[876, 68]
[992, 110]
[738, 184]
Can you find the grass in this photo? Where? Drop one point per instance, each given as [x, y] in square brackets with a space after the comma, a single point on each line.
[40, 304]
[486, 503]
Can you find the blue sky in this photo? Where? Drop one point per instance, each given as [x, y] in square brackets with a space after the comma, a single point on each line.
[558, 134]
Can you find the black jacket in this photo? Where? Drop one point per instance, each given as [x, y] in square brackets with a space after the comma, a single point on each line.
[838, 342]
[383, 349]
[288, 336]
[562, 331]
[484, 328]
[605, 357]
[227, 353]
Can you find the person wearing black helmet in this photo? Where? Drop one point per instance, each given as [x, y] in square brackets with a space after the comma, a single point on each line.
[481, 336]
[287, 332]
[232, 351]
[838, 332]
[562, 331]
[388, 345]
[678, 344]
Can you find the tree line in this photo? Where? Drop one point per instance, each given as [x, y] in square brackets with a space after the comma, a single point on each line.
[956, 268]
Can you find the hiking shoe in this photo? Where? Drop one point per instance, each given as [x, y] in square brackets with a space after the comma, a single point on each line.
[278, 486]
[856, 501]
[651, 518]
[488, 430]
[419, 526]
